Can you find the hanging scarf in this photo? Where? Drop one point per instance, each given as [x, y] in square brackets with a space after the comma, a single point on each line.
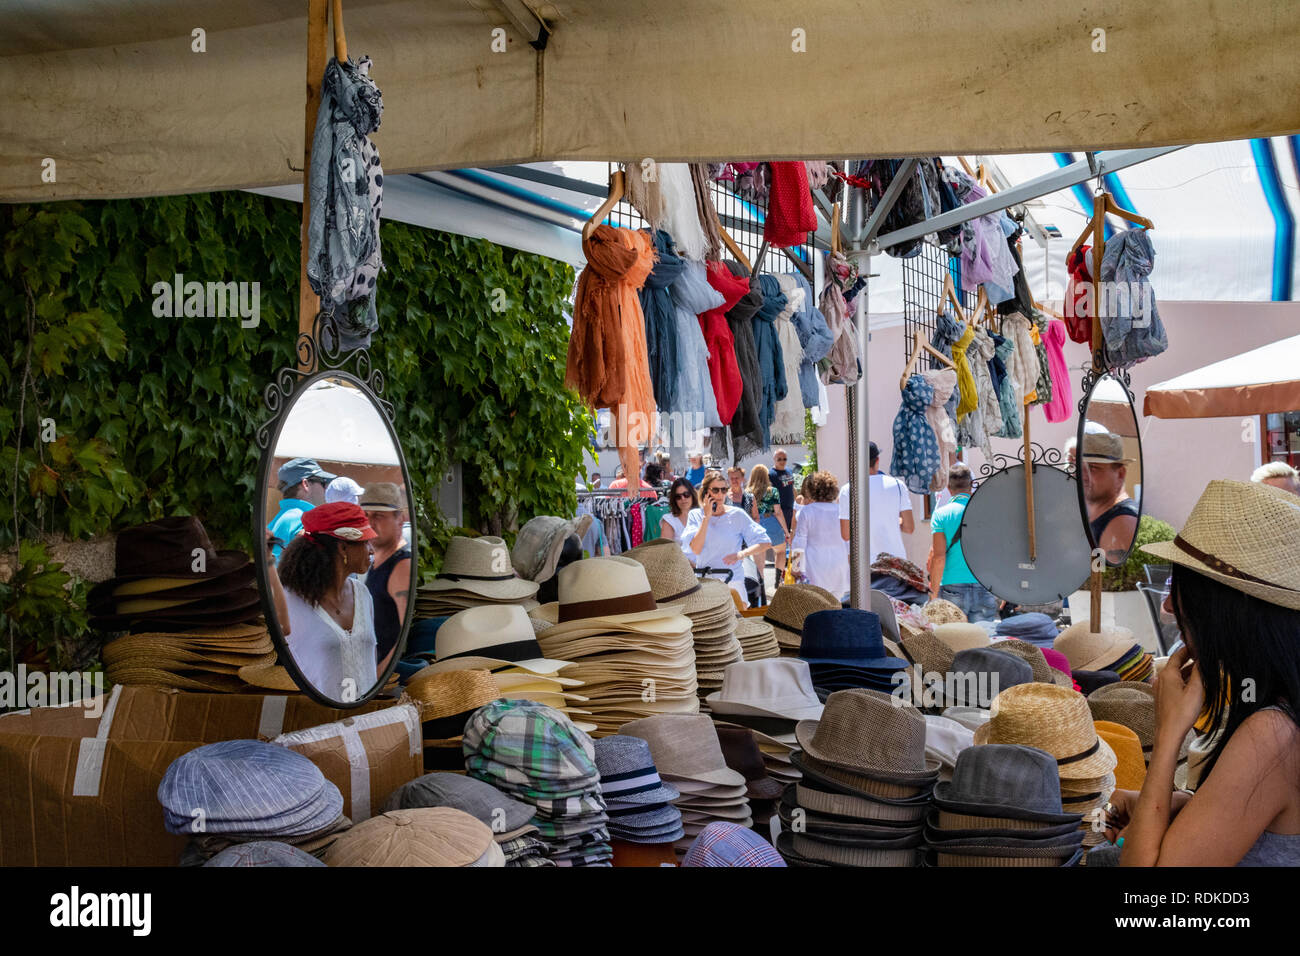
[986, 420]
[916, 448]
[947, 330]
[787, 427]
[841, 365]
[661, 341]
[692, 295]
[814, 338]
[1024, 360]
[1058, 409]
[1008, 400]
[681, 216]
[1078, 306]
[944, 383]
[818, 173]
[746, 430]
[1021, 299]
[1043, 384]
[1131, 323]
[790, 212]
[969, 398]
[724, 369]
[607, 363]
[770, 359]
[645, 197]
[706, 212]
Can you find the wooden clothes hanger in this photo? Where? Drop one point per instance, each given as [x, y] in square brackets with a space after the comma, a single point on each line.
[835, 228]
[920, 345]
[734, 249]
[617, 186]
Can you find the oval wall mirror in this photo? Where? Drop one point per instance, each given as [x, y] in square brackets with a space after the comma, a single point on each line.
[339, 567]
[1108, 460]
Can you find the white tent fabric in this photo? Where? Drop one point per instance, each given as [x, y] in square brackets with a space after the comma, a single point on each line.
[333, 422]
[1257, 382]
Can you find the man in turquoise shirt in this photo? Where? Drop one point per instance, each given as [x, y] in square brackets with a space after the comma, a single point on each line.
[302, 487]
[950, 577]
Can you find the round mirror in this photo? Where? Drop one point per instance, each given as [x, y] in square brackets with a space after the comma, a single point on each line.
[339, 568]
[1108, 461]
[995, 536]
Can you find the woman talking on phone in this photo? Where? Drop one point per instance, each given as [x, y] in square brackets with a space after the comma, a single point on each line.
[720, 537]
[1236, 595]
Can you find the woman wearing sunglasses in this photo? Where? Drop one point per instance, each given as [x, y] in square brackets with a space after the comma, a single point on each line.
[682, 503]
[720, 537]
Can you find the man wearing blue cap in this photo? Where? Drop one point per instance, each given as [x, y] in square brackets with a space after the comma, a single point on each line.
[302, 487]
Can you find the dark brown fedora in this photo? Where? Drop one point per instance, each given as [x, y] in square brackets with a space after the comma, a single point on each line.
[740, 751]
[169, 548]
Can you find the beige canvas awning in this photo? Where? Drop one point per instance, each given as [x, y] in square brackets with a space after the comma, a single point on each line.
[114, 93]
[1257, 382]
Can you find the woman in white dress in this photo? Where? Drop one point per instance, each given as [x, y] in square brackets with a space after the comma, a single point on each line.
[820, 552]
[682, 500]
[331, 631]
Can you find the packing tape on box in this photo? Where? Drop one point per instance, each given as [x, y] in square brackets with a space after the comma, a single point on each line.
[90, 756]
[271, 722]
[360, 771]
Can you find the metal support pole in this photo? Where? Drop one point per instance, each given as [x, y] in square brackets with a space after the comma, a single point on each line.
[859, 430]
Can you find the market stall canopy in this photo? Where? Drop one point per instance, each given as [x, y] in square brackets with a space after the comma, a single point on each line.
[151, 97]
[1257, 382]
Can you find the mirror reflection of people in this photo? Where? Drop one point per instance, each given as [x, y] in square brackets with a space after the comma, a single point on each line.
[389, 578]
[721, 537]
[1278, 474]
[1112, 514]
[331, 614]
[302, 487]
[343, 488]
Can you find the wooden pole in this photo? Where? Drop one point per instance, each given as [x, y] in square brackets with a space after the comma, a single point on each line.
[308, 301]
[1029, 493]
[340, 38]
[1094, 617]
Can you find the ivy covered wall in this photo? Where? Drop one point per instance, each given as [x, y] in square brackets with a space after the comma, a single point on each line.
[112, 415]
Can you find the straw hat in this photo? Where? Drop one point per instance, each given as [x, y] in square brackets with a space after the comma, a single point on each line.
[962, 637]
[869, 733]
[428, 836]
[672, 578]
[481, 566]
[1130, 767]
[490, 636]
[1087, 651]
[685, 745]
[1044, 672]
[1050, 718]
[271, 676]
[1103, 448]
[452, 693]
[604, 593]
[940, 611]
[932, 655]
[791, 604]
[1242, 535]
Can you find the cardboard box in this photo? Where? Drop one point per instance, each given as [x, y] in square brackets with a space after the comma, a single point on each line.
[77, 790]
[366, 757]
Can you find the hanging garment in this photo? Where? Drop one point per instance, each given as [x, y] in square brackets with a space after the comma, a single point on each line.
[947, 330]
[1024, 365]
[641, 191]
[918, 201]
[707, 212]
[607, 363]
[787, 426]
[986, 420]
[1043, 383]
[968, 399]
[681, 215]
[1078, 306]
[751, 181]
[692, 295]
[661, 341]
[1059, 408]
[984, 254]
[841, 365]
[770, 360]
[1130, 321]
[745, 434]
[815, 340]
[818, 173]
[821, 414]
[1004, 298]
[949, 238]
[944, 383]
[790, 212]
[916, 448]
[1009, 400]
[1021, 299]
[346, 186]
[723, 368]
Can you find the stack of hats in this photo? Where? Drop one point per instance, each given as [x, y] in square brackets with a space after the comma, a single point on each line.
[1130, 705]
[940, 611]
[428, 836]
[866, 784]
[1130, 768]
[535, 754]
[1034, 627]
[707, 603]
[1002, 808]
[508, 819]
[899, 578]
[500, 639]
[728, 844]
[844, 649]
[757, 639]
[475, 572]
[1060, 662]
[638, 802]
[1110, 649]
[263, 853]
[1058, 721]
[791, 604]
[1036, 658]
[192, 613]
[689, 756]
[635, 659]
[768, 697]
[945, 739]
[740, 751]
[446, 702]
[242, 791]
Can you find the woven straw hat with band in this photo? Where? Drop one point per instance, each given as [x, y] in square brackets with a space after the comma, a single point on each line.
[1053, 719]
[672, 579]
[452, 692]
[1242, 535]
[481, 566]
[791, 604]
[1087, 651]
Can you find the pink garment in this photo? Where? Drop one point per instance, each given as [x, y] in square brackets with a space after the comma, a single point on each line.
[638, 524]
[1060, 407]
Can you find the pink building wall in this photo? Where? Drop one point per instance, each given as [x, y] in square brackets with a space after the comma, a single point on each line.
[1180, 456]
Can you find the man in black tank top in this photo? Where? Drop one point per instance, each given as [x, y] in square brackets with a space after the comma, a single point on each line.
[389, 579]
[1112, 514]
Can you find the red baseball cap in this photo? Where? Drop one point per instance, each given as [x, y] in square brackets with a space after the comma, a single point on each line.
[339, 519]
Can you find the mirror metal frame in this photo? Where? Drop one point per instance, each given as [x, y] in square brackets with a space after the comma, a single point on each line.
[1091, 380]
[280, 397]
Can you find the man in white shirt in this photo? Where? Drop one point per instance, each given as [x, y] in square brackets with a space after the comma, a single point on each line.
[891, 511]
[721, 536]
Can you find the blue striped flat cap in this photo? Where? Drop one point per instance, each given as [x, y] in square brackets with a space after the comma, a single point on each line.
[263, 853]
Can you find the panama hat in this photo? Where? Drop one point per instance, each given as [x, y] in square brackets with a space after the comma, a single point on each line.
[481, 566]
[607, 593]
[672, 579]
[962, 637]
[1050, 718]
[1242, 535]
[869, 733]
[491, 636]
[381, 496]
[540, 543]
[777, 687]
[1087, 651]
[1103, 448]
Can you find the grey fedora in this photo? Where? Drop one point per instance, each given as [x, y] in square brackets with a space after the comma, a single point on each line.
[990, 671]
[1005, 780]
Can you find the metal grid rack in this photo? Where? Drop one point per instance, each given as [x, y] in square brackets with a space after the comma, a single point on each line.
[923, 290]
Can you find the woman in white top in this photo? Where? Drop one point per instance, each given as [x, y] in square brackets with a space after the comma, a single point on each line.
[682, 500]
[331, 628]
[819, 550]
[720, 537]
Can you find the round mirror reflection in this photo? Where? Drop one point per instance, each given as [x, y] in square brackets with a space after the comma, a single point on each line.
[1108, 460]
[339, 564]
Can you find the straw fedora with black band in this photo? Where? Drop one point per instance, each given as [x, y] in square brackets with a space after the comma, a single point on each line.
[1053, 719]
[673, 580]
[481, 566]
[1242, 535]
[606, 593]
[489, 637]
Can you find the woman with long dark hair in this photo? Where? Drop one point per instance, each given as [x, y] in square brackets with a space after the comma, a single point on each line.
[1236, 595]
[682, 500]
[331, 614]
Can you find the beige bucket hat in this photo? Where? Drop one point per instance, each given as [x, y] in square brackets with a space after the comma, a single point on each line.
[685, 745]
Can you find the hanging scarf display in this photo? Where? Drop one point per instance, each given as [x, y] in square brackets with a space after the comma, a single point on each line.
[745, 435]
[681, 214]
[1009, 399]
[641, 190]
[723, 367]
[1021, 299]
[918, 201]
[787, 427]
[790, 212]
[916, 449]
[706, 212]
[607, 363]
[944, 383]
[692, 295]
[841, 365]
[818, 173]
[985, 257]
[1130, 322]
[661, 320]
[770, 360]
[985, 420]
[956, 337]
[1078, 306]
[1059, 408]
[814, 338]
[751, 181]
[947, 330]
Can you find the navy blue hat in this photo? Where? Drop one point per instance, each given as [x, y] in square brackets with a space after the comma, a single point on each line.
[423, 638]
[296, 469]
[848, 637]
